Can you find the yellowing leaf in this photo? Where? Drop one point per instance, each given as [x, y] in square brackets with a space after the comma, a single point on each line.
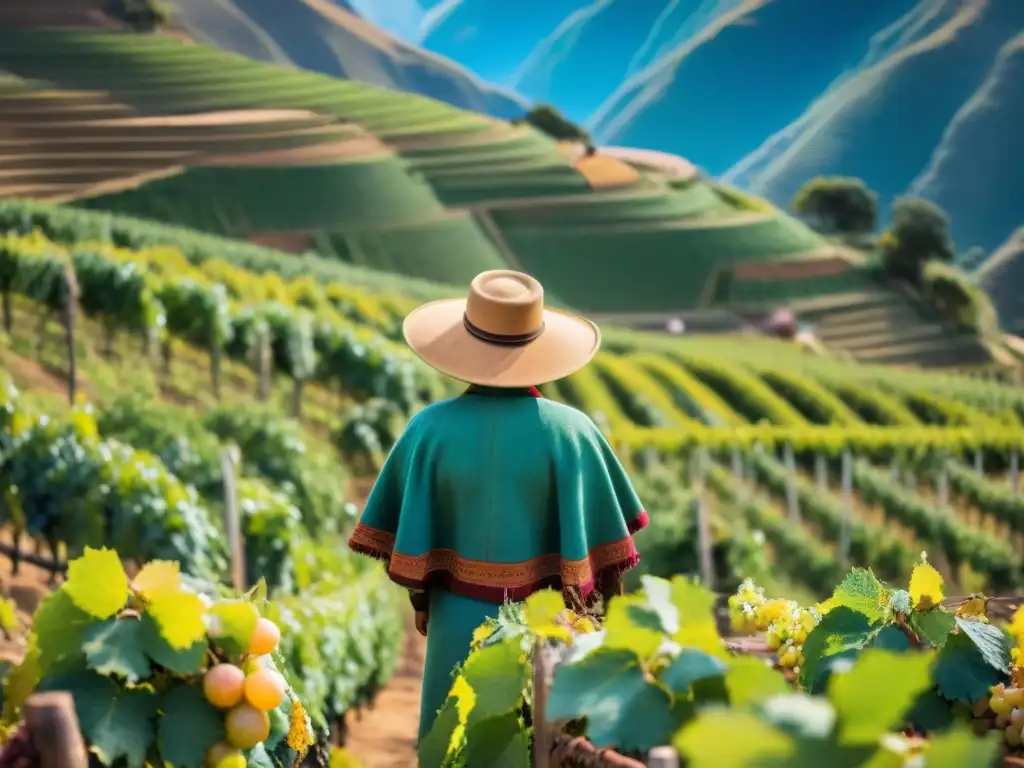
[97, 583]
[180, 616]
[1017, 623]
[465, 698]
[976, 607]
[156, 577]
[926, 587]
[542, 611]
[300, 732]
[342, 758]
[480, 634]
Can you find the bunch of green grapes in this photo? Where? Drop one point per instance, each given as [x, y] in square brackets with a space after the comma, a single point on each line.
[248, 693]
[745, 606]
[787, 633]
[1008, 706]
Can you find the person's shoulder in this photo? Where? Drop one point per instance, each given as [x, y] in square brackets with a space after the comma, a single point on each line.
[567, 418]
[431, 414]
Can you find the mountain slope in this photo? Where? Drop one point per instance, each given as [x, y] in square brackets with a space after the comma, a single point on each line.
[1002, 275]
[326, 37]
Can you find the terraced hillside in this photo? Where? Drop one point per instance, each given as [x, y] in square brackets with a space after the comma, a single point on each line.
[1002, 276]
[331, 347]
[530, 200]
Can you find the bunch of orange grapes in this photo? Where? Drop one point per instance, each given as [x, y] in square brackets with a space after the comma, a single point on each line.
[247, 693]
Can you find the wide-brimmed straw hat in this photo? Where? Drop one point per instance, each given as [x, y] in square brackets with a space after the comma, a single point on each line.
[501, 335]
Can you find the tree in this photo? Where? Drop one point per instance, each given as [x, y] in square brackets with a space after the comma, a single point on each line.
[546, 118]
[919, 233]
[837, 204]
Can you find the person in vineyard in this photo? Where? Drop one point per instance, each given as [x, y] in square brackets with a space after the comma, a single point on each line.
[498, 493]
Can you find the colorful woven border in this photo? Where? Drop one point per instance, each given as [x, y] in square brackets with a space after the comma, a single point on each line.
[497, 582]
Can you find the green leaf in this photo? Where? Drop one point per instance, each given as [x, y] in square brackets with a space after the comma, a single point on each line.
[497, 678]
[115, 647]
[695, 606]
[59, 626]
[990, 641]
[800, 715]
[930, 712]
[751, 680]
[232, 624]
[890, 638]
[690, 666]
[960, 747]
[498, 742]
[258, 757]
[933, 626]
[720, 738]
[631, 625]
[860, 591]
[841, 631]
[609, 689]
[961, 673]
[877, 691]
[433, 747]
[97, 583]
[182, 662]
[189, 727]
[116, 723]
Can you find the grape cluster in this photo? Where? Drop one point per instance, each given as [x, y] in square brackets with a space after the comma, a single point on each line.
[785, 624]
[247, 693]
[1007, 704]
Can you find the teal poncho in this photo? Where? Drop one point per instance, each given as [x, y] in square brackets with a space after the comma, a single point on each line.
[489, 497]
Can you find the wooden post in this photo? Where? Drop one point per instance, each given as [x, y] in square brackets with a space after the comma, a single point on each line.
[707, 564]
[44, 318]
[69, 311]
[979, 462]
[53, 730]
[16, 556]
[942, 487]
[894, 470]
[229, 459]
[663, 757]
[297, 398]
[215, 353]
[792, 498]
[167, 358]
[821, 471]
[263, 362]
[1014, 472]
[543, 732]
[847, 491]
[8, 312]
[737, 468]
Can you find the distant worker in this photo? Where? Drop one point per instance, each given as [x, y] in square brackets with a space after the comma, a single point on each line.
[498, 493]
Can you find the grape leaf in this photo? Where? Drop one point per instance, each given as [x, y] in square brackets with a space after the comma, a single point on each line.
[542, 608]
[497, 678]
[930, 712]
[842, 630]
[179, 615]
[710, 741]
[800, 715]
[97, 583]
[659, 600]
[115, 647]
[258, 757]
[498, 742]
[932, 626]
[877, 691]
[189, 727]
[232, 624]
[926, 587]
[157, 576]
[695, 605]
[990, 641]
[631, 625]
[961, 673]
[751, 680]
[890, 638]
[20, 683]
[960, 747]
[688, 667]
[186, 661]
[433, 747]
[58, 625]
[860, 591]
[608, 688]
[116, 723]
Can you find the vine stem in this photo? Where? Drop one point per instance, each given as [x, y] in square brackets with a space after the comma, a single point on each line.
[901, 622]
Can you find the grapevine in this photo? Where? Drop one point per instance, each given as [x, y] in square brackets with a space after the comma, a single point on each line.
[188, 678]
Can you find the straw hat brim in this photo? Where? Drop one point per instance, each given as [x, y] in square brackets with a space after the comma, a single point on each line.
[437, 334]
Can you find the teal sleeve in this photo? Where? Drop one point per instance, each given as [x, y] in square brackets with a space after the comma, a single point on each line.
[597, 505]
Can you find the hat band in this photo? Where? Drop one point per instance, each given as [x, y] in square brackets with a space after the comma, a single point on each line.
[502, 339]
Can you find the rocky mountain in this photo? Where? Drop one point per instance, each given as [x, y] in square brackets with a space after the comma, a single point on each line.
[915, 96]
[331, 37]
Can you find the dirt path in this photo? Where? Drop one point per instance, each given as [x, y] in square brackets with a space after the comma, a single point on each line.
[385, 736]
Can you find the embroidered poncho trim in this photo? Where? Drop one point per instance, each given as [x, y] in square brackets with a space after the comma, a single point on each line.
[499, 581]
